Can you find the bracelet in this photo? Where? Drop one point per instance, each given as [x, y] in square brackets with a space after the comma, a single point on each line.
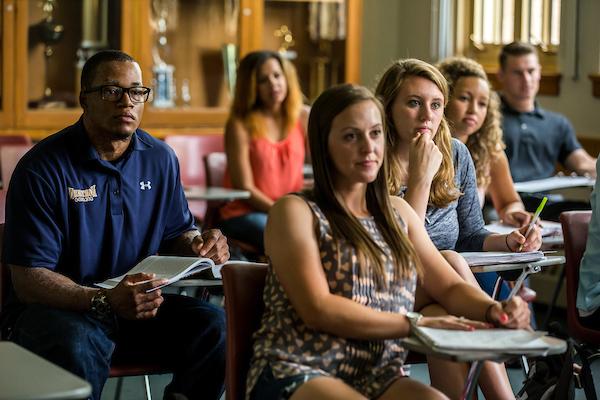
[506, 241]
[487, 313]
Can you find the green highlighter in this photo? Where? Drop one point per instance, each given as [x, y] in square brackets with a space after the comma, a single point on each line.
[535, 218]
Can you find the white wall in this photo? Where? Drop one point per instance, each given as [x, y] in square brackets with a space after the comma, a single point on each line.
[395, 29]
[575, 99]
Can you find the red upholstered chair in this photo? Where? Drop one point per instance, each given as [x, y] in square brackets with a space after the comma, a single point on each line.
[14, 139]
[215, 165]
[243, 285]
[121, 367]
[190, 150]
[10, 155]
[575, 231]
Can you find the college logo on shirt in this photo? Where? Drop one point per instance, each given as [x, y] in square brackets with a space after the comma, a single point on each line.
[83, 195]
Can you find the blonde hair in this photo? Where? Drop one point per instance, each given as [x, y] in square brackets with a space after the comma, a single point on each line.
[246, 104]
[486, 144]
[443, 188]
[344, 225]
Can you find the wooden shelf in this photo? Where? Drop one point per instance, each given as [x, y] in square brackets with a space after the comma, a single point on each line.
[595, 78]
[194, 49]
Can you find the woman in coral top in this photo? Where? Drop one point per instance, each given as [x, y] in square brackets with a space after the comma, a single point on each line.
[264, 142]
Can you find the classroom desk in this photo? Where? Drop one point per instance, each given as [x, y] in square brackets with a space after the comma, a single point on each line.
[25, 376]
[215, 194]
[517, 272]
[476, 358]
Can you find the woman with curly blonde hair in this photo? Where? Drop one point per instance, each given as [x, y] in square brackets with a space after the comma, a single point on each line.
[474, 116]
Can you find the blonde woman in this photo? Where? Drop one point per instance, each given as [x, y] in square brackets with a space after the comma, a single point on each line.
[435, 175]
[264, 142]
[474, 116]
[344, 263]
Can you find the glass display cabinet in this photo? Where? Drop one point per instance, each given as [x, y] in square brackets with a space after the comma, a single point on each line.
[187, 49]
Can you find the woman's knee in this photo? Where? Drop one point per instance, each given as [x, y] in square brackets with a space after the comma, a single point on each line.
[457, 262]
[410, 388]
[326, 388]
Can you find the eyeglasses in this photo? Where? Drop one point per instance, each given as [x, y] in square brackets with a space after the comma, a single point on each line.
[137, 94]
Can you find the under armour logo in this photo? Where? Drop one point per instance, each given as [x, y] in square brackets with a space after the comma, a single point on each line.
[145, 185]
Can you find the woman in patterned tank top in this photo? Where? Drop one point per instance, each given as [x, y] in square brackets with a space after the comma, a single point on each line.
[345, 259]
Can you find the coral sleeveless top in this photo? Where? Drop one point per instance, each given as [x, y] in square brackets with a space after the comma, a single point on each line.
[276, 169]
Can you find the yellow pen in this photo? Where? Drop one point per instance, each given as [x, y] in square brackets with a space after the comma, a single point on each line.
[535, 218]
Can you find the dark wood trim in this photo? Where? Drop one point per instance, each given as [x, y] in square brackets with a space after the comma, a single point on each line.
[591, 144]
[595, 78]
[549, 83]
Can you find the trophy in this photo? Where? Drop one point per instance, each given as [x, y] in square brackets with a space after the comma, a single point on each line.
[165, 17]
[287, 41]
[94, 24]
[49, 34]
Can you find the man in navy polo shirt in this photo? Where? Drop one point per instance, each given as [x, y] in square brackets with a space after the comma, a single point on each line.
[536, 139]
[88, 203]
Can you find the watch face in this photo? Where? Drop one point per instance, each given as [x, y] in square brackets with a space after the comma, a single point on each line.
[100, 306]
[413, 317]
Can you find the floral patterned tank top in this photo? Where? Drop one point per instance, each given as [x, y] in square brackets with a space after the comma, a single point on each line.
[289, 347]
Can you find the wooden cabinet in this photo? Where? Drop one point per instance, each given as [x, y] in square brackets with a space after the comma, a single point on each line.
[44, 44]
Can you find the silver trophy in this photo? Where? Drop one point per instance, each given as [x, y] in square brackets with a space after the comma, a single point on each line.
[165, 18]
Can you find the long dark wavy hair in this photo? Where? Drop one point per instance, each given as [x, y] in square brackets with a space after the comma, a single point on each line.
[345, 225]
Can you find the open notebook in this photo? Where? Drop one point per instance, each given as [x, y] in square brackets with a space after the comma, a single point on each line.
[167, 267]
[549, 228]
[507, 341]
[478, 258]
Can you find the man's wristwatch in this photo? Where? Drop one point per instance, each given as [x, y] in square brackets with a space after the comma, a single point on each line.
[99, 306]
[413, 319]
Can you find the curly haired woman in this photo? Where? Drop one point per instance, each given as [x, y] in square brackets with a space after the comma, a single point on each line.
[474, 117]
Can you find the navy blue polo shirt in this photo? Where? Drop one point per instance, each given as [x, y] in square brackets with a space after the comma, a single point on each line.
[89, 219]
[536, 141]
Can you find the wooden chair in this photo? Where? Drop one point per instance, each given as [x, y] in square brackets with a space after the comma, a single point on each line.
[121, 367]
[575, 231]
[243, 285]
[190, 150]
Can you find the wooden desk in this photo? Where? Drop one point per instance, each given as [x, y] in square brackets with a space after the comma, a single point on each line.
[476, 358]
[24, 376]
[215, 194]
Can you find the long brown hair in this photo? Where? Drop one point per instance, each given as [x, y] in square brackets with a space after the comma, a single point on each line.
[246, 102]
[344, 224]
[443, 188]
[486, 144]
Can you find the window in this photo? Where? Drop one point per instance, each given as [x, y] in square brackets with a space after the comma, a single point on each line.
[490, 24]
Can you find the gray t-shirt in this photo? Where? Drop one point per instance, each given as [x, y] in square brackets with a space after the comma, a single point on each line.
[458, 226]
[536, 141]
